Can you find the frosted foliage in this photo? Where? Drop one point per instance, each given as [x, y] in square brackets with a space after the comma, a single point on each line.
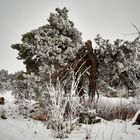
[44, 51]
[118, 66]
[59, 41]
[55, 43]
[35, 88]
[5, 81]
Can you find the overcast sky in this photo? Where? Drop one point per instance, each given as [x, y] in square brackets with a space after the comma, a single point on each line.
[109, 18]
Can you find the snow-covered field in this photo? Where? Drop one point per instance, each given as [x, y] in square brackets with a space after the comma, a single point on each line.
[25, 129]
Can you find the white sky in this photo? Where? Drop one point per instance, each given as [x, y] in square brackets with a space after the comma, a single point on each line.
[109, 18]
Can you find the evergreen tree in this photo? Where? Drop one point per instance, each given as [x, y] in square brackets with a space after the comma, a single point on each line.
[51, 46]
[118, 66]
[46, 50]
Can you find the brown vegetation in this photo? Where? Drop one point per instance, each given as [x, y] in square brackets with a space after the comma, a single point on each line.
[120, 112]
[2, 101]
[42, 117]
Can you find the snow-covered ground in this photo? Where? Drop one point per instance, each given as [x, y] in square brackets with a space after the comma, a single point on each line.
[25, 129]
[20, 129]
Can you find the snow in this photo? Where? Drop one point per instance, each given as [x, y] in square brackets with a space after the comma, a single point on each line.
[11, 129]
[20, 129]
[8, 96]
[28, 129]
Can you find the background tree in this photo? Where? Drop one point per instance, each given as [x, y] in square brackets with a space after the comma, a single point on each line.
[5, 81]
[118, 66]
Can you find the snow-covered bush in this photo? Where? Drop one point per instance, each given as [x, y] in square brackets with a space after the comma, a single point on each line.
[63, 109]
[19, 87]
[5, 81]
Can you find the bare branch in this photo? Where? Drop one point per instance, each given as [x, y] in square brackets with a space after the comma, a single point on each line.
[136, 29]
[135, 33]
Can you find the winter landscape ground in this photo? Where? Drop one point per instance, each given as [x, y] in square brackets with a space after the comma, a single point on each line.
[15, 127]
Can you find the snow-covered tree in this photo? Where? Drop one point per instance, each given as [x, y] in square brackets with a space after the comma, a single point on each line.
[118, 66]
[46, 50]
[50, 47]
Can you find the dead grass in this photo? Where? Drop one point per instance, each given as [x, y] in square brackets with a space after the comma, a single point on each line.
[122, 110]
